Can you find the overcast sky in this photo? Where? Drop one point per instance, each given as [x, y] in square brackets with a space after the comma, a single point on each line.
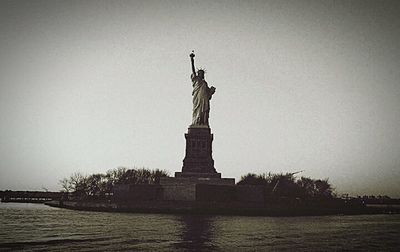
[301, 85]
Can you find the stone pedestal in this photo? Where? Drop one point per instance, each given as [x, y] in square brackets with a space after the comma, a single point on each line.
[198, 177]
[198, 161]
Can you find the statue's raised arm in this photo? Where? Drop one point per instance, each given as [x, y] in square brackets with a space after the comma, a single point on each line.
[201, 96]
[192, 60]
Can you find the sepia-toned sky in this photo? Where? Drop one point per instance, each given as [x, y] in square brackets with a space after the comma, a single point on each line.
[301, 85]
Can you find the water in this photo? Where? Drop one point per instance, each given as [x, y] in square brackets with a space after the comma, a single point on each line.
[35, 227]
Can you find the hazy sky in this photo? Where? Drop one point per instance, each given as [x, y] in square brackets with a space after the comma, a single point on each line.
[301, 85]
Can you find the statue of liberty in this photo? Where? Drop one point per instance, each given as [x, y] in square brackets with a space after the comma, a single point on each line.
[201, 96]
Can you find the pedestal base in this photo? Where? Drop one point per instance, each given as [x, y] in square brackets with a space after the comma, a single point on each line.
[198, 155]
[197, 175]
[193, 180]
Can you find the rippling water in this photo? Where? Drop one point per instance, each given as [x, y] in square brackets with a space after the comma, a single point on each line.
[39, 227]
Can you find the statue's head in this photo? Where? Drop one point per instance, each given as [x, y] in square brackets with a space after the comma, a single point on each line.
[200, 73]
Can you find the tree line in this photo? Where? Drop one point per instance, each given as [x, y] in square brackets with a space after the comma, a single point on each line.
[287, 185]
[101, 185]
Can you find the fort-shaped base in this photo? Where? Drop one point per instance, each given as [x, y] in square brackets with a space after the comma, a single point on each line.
[188, 188]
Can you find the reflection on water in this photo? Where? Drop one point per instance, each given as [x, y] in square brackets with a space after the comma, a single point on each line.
[30, 227]
[197, 232]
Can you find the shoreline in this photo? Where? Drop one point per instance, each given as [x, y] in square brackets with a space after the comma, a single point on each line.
[206, 208]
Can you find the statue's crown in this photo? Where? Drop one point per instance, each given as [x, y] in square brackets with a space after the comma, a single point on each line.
[201, 69]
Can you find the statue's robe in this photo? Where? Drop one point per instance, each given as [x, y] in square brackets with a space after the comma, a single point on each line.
[201, 101]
